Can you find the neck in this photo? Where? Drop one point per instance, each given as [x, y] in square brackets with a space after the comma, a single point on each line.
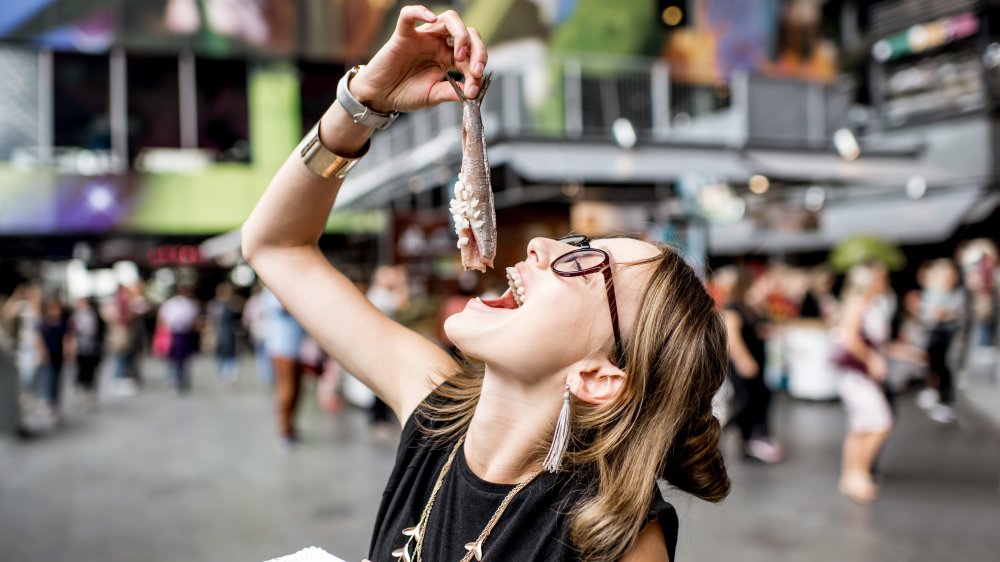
[511, 421]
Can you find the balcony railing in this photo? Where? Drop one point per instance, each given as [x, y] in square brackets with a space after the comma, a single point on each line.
[587, 99]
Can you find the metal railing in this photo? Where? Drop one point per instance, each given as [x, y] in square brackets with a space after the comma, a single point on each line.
[581, 98]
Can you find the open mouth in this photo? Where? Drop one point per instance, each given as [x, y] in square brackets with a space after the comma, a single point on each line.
[516, 285]
[513, 297]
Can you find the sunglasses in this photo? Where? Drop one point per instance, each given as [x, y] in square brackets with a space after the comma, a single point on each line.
[585, 260]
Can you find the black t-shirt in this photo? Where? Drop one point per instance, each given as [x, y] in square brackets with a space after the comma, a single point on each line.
[534, 527]
[749, 331]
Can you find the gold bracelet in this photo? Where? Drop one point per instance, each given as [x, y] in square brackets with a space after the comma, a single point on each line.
[321, 161]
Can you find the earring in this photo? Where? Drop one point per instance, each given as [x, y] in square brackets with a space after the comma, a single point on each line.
[560, 439]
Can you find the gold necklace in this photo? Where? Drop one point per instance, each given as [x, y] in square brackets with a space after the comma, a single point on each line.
[475, 548]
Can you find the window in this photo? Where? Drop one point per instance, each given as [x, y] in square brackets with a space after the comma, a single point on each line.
[81, 101]
[153, 103]
[318, 87]
[223, 112]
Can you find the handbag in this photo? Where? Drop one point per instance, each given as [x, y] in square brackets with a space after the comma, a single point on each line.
[161, 341]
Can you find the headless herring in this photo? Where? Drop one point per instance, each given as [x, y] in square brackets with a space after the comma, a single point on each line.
[472, 207]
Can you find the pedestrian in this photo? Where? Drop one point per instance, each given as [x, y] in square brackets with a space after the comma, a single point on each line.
[23, 310]
[224, 313]
[751, 401]
[942, 309]
[255, 323]
[180, 315]
[593, 377]
[87, 330]
[285, 338]
[857, 352]
[389, 293]
[53, 336]
[124, 341]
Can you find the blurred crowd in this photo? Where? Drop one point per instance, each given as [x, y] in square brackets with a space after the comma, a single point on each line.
[864, 339]
[862, 336]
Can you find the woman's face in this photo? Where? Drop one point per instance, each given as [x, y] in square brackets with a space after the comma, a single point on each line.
[561, 320]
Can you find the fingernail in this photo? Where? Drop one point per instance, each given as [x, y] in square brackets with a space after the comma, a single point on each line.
[471, 91]
[460, 55]
[478, 68]
[430, 16]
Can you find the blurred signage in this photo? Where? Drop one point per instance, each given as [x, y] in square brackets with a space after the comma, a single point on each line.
[926, 37]
[931, 71]
[173, 160]
[169, 255]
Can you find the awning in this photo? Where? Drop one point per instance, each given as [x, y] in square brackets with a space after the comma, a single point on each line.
[900, 220]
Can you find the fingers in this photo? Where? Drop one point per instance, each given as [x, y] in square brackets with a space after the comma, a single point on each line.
[410, 16]
[456, 28]
[478, 58]
[467, 48]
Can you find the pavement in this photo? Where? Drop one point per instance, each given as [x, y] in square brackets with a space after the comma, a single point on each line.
[157, 477]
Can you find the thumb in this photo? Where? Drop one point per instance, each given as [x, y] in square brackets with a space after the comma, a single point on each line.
[442, 92]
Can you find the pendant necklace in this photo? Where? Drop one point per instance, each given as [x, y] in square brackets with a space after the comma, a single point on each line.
[415, 534]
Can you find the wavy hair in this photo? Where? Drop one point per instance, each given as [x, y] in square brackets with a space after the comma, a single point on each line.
[660, 425]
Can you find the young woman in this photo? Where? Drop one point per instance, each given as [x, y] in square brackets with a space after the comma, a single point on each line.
[861, 334]
[603, 370]
[751, 402]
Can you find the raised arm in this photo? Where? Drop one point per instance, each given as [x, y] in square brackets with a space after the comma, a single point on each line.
[280, 237]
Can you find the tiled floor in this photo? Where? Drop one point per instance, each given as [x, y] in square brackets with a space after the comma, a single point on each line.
[157, 478]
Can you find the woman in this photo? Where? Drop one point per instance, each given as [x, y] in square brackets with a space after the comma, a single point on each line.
[607, 405]
[87, 330]
[53, 336]
[224, 311]
[747, 357]
[869, 416]
[180, 316]
[942, 309]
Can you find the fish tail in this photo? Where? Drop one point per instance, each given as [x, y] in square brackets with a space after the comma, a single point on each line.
[487, 80]
[454, 84]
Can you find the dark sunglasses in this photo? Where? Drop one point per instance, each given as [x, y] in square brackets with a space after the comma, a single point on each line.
[585, 260]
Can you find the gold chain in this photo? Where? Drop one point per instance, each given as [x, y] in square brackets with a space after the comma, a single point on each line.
[473, 547]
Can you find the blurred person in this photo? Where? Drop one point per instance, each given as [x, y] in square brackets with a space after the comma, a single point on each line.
[10, 387]
[87, 330]
[751, 401]
[819, 302]
[23, 310]
[53, 339]
[979, 262]
[857, 353]
[255, 323]
[389, 293]
[180, 315]
[594, 376]
[224, 313]
[284, 346]
[125, 329]
[942, 308]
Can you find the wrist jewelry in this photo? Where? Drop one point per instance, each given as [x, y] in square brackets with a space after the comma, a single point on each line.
[361, 113]
[321, 161]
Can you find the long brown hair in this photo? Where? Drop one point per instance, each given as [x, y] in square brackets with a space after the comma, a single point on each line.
[660, 425]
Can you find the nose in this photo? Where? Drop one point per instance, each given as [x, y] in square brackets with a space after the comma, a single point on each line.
[541, 252]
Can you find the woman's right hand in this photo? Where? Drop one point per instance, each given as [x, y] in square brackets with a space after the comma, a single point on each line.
[877, 367]
[406, 74]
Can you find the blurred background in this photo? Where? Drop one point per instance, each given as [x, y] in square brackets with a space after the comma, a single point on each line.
[797, 152]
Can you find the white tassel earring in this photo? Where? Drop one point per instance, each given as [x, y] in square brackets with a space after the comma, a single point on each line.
[553, 461]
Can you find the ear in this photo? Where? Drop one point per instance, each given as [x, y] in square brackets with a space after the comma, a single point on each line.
[595, 380]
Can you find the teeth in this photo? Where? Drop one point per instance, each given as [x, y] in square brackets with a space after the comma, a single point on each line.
[462, 241]
[516, 285]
